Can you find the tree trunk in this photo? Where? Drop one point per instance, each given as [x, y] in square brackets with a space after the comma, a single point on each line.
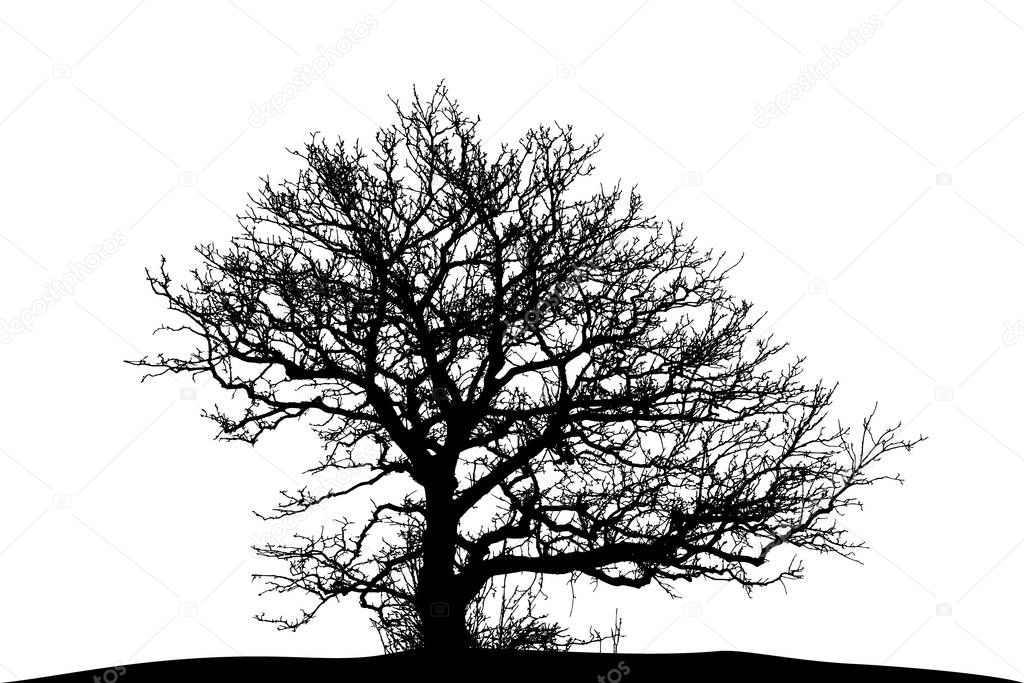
[444, 624]
[440, 597]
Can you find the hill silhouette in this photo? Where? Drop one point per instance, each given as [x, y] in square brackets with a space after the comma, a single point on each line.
[532, 667]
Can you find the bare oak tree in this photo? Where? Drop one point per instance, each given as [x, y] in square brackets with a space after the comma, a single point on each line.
[550, 381]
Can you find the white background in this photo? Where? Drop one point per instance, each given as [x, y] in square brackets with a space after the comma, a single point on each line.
[124, 529]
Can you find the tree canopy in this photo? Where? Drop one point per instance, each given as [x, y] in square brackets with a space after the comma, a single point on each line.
[558, 382]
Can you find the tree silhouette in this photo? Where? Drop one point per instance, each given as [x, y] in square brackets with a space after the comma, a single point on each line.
[538, 377]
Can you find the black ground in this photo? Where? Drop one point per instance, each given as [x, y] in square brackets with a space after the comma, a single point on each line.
[521, 667]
